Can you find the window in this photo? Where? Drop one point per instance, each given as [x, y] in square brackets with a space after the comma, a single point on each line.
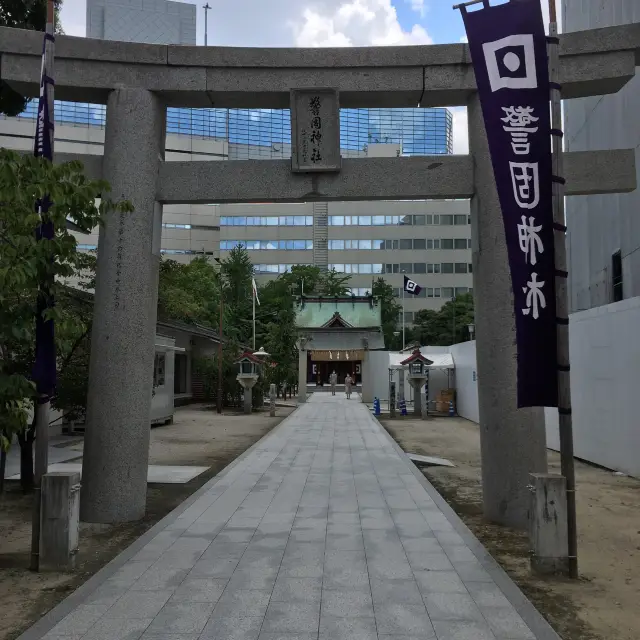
[433, 268]
[616, 276]
[420, 220]
[461, 290]
[446, 243]
[460, 243]
[460, 267]
[436, 219]
[364, 221]
[419, 267]
[336, 221]
[378, 244]
[364, 244]
[158, 370]
[336, 245]
[377, 220]
[460, 219]
[429, 292]
[429, 219]
[447, 292]
[419, 243]
[406, 244]
[396, 291]
[447, 267]
[446, 219]
[180, 373]
[470, 268]
[437, 292]
[422, 294]
[406, 267]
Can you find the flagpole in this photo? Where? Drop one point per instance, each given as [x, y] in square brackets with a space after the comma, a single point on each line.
[43, 405]
[253, 292]
[565, 420]
[403, 312]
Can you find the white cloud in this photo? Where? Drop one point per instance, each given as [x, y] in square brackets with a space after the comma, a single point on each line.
[418, 6]
[344, 23]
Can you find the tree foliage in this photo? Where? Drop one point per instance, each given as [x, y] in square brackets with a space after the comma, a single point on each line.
[390, 310]
[22, 14]
[447, 326]
[25, 263]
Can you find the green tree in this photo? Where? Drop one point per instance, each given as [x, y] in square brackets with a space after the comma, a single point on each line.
[447, 326]
[22, 14]
[25, 263]
[237, 272]
[189, 292]
[390, 310]
[333, 284]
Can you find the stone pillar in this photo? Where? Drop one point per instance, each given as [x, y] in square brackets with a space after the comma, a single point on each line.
[302, 374]
[248, 399]
[366, 386]
[512, 440]
[116, 444]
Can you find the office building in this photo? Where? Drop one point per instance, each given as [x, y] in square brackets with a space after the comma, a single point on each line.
[603, 239]
[428, 241]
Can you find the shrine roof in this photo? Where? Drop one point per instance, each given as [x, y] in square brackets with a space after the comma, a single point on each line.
[338, 314]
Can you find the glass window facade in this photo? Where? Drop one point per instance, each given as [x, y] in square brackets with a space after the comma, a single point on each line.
[267, 132]
[266, 221]
[266, 245]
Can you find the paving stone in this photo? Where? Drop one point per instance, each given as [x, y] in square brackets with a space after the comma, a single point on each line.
[347, 604]
[487, 595]
[395, 591]
[146, 604]
[292, 617]
[451, 606]
[182, 617]
[472, 571]
[506, 622]
[247, 628]
[409, 619]
[450, 630]
[297, 589]
[439, 581]
[80, 620]
[332, 628]
[118, 629]
[242, 603]
[429, 561]
[159, 579]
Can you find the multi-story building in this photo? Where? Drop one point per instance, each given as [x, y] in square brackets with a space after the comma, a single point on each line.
[428, 241]
[603, 238]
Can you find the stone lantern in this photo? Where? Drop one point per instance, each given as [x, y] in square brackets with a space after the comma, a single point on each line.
[248, 374]
[418, 377]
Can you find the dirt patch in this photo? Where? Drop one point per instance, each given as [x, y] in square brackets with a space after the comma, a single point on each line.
[603, 604]
[197, 437]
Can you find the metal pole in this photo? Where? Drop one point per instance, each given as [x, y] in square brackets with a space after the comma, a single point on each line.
[403, 343]
[206, 8]
[253, 296]
[43, 405]
[562, 310]
[453, 302]
[219, 394]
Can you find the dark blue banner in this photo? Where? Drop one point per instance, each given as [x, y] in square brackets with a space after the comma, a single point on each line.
[509, 54]
[44, 369]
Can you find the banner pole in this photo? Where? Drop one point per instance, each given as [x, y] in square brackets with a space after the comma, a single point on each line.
[565, 419]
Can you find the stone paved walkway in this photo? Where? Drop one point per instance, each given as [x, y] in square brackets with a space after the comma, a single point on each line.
[324, 530]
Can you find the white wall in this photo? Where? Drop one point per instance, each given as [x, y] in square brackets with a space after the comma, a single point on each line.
[605, 371]
[605, 374]
[464, 358]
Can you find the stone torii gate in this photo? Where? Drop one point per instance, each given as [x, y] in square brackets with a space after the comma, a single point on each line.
[138, 81]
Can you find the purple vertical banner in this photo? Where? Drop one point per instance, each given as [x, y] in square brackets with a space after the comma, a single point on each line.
[44, 368]
[509, 55]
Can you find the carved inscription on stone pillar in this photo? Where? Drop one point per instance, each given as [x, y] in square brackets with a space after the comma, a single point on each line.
[315, 130]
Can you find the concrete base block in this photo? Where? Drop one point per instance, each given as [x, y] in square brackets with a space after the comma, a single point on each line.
[59, 520]
[548, 524]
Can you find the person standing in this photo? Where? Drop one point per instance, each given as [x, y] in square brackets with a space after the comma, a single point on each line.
[348, 381]
[333, 379]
